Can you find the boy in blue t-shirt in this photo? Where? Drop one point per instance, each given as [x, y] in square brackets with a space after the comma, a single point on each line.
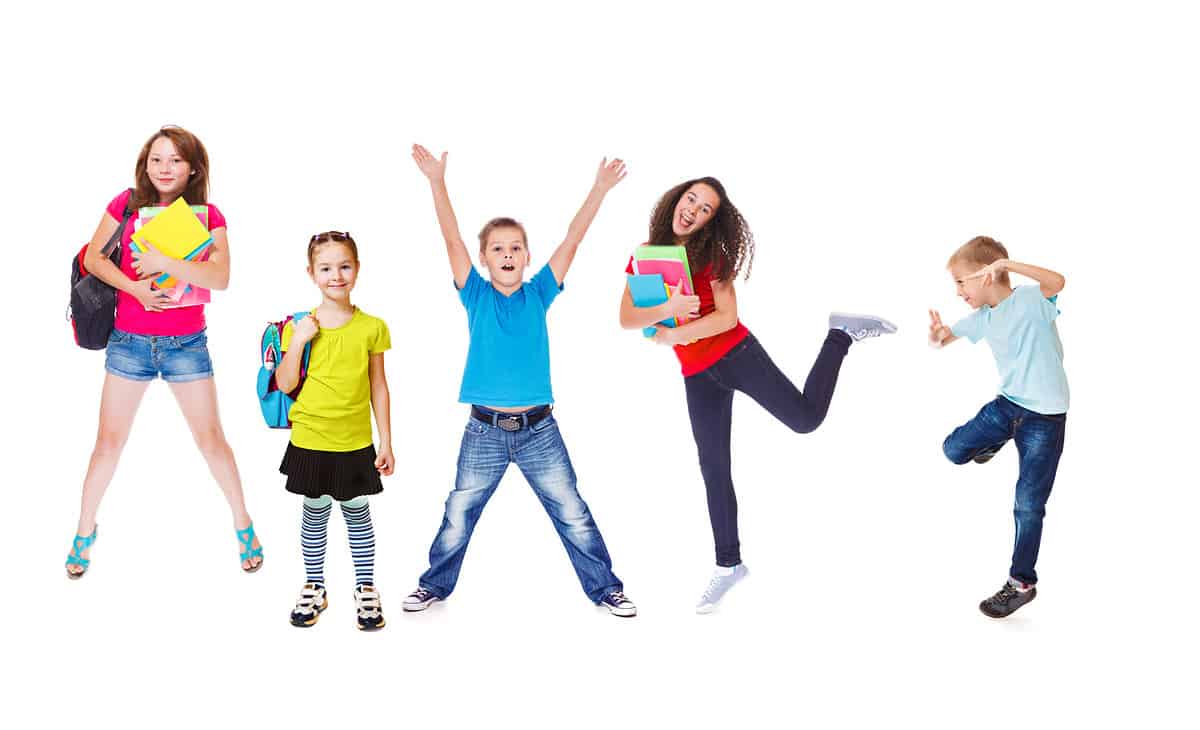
[506, 382]
[1019, 325]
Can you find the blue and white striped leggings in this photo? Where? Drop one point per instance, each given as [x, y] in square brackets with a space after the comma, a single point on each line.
[314, 526]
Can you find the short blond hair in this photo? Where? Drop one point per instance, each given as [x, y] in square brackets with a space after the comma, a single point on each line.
[979, 252]
[502, 222]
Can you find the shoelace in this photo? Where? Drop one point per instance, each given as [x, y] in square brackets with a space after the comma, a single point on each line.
[712, 588]
[1005, 593]
[421, 595]
[617, 598]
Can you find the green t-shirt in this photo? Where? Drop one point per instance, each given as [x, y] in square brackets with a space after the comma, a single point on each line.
[333, 410]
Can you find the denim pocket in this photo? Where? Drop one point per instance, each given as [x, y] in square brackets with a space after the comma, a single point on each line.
[197, 342]
[476, 427]
[119, 337]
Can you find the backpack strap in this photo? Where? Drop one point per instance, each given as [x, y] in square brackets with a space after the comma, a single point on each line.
[307, 345]
[112, 249]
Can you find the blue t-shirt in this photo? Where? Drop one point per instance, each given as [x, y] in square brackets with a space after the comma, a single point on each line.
[508, 361]
[1024, 340]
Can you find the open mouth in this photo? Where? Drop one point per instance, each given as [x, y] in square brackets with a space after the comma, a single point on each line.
[507, 267]
[686, 220]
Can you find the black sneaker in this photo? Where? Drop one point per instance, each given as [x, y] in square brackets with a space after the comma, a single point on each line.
[368, 607]
[311, 603]
[986, 455]
[618, 604]
[1006, 600]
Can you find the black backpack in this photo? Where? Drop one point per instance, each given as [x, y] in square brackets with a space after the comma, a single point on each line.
[93, 306]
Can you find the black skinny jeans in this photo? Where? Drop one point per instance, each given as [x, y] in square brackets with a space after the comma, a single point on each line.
[710, 406]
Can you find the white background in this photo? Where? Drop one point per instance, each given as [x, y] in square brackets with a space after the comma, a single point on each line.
[863, 143]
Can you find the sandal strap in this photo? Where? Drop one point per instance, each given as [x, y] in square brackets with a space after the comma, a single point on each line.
[78, 545]
[246, 538]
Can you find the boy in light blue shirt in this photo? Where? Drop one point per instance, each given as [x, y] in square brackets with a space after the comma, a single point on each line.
[506, 381]
[1031, 409]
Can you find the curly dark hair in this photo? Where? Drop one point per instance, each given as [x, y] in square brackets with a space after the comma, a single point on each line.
[725, 241]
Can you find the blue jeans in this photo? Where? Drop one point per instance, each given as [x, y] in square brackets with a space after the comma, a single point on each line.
[541, 456]
[178, 359]
[1039, 440]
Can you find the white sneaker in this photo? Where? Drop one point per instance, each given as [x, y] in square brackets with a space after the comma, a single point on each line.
[860, 326]
[418, 600]
[723, 579]
[369, 608]
[309, 606]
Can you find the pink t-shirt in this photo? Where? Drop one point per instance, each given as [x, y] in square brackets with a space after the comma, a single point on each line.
[131, 315]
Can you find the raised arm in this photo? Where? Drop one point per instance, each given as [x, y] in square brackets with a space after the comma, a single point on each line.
[609, 174]
[1051, 282]
[435, 170]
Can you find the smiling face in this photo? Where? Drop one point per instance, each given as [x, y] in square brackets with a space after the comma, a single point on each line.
[167, 169]
[505, 255]
[334, 269]
[695, 208]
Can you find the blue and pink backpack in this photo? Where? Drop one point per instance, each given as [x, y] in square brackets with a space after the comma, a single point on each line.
[275, 403]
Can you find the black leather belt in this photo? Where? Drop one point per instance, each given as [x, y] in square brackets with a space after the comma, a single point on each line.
[511, 421]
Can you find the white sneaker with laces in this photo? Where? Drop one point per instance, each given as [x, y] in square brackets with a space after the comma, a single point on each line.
[723, 579]
[860, 326]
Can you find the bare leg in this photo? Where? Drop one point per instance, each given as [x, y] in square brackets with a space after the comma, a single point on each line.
[198, 401]
[119, 401]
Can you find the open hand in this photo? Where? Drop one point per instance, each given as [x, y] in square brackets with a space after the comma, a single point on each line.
[151, 262]
[151, 299]
[665, 335]
[938, 332]
[430, 166]
[610, 173]
[384, 461]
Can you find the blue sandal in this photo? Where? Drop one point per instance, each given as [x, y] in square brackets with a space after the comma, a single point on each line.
[76, 555]
[246, 538]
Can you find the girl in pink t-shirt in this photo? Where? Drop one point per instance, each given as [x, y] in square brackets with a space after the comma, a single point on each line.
[150, 339]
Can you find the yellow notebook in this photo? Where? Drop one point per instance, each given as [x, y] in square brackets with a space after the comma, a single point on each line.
[177, 232]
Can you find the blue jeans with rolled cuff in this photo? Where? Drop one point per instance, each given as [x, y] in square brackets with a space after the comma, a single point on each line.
[1039, 439]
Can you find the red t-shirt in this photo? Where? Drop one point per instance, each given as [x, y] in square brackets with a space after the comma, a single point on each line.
[131, 315]
[704, 353]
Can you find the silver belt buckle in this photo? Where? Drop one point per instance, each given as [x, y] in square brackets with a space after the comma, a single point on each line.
[511, 423]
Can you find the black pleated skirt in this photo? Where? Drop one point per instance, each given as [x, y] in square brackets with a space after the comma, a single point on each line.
[342, 475]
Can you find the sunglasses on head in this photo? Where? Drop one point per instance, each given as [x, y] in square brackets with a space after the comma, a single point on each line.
[338, 236]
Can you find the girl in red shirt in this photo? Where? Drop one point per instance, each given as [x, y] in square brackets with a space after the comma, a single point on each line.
[719, 355]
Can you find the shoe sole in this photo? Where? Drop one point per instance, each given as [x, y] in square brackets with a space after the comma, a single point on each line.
[620, 612]
[888, 327]
[376, 627]
[418, 607]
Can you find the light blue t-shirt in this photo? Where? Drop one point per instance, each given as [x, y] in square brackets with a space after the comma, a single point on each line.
[508, 361]
[1024, 340]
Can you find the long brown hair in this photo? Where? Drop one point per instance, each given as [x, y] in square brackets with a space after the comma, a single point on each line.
[725, 241]
[189, 148]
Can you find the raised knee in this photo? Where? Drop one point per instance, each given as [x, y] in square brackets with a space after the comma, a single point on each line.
[955, 454]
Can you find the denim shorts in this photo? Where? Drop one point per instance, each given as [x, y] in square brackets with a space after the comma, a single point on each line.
[144, 357]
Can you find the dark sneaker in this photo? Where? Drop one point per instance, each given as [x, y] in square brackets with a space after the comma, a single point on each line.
[310, 605]
[419, 600]
[986, 455]
[618, 605]
[1008, 599]
[370, 610]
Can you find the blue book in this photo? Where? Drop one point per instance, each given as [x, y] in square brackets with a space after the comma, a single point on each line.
[649, 290]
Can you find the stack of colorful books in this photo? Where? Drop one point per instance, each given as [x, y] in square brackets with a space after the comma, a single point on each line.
[179, 231]
[659, 272]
